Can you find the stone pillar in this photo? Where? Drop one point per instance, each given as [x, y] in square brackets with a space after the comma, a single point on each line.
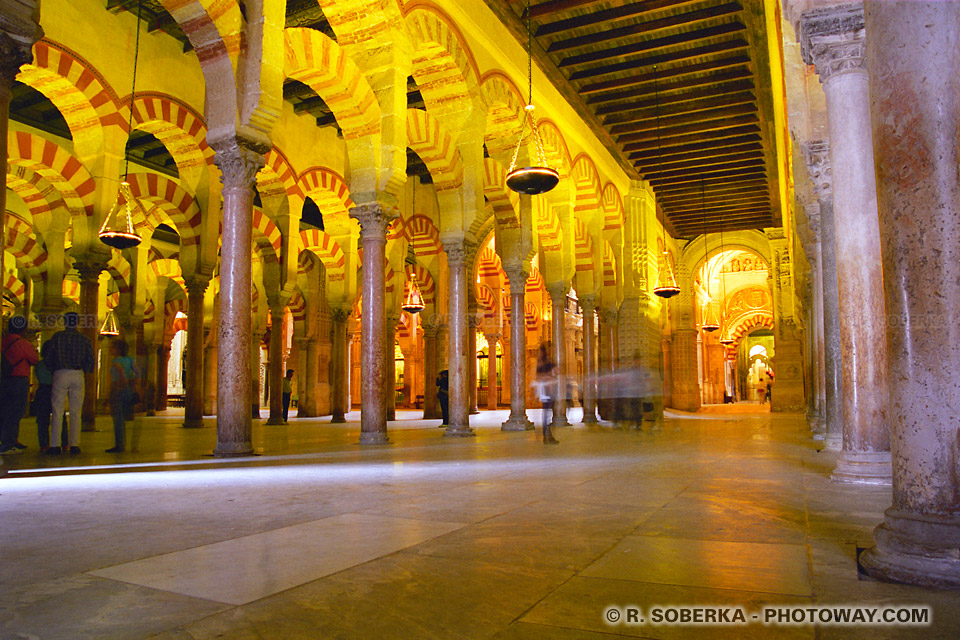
[430, 409]
[163, 361]
[457, 350]
[589, 305]
[255, 348]
[558, 298]
[150, 398]
[817, 154]
[373, 220]
[518, 420]
[915, 104]
[210, 358]
[307, 378]
[193, 385]
[239, 167]
[340, 400]
[276, 371]
[608, 362]
[833, 39]
[472, 357]
[90, 327]
[492, 340]
[390, 342]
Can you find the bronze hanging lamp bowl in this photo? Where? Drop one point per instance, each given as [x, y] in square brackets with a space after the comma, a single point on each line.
[413, 303]
[666, 282]
[109, 328]
[666, 286]
[117, 230]
[726, 341]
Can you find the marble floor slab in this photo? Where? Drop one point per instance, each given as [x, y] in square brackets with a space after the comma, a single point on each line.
[245, 569]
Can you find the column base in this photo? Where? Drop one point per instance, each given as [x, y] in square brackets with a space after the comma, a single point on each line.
[337, 419]
[833, 442]
[861, 467]
[192, 423]
[517, 423]
[915, 549]
[233, 450]
[474, 411]
[590, 416]
[459, 432]
[374, 437]
[272, 420]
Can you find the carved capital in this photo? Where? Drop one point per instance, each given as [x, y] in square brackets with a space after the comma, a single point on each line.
[456, 254]
[816, 155]
[608, 316]
[374, 218]
[89, 271]
[431, 331]
[517, 278]
[238, 164]
[195, 286]
[832, 39]
[340, 314]
[13, 55]
[558, 292]
[588, 302]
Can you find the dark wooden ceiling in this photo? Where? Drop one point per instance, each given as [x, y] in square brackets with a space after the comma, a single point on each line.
[702, 65]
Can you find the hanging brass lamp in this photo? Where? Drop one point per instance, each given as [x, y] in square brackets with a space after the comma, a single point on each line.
[666, 282]
[110, 328]
[117, 230]
[532, 180]
[413, 302]
[666, 286]
[726, 340]
[710, 322]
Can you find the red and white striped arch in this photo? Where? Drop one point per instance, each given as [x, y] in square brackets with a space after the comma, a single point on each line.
[436, 148]
[424, 236]
[14, 289]
[178, 205]
[20, 240]
[181, 130]
[505, 202]
[55, 164]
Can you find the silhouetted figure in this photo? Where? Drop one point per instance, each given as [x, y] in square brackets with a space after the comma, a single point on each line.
[443, 395]
[18, 355]
[547, 389]
[123, 376]
[287, 393]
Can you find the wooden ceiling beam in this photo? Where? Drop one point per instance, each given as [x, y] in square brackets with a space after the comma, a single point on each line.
[693, 208]
[654, 177]
[696, 104]
[557, 6]
[718, 89]
[744, 173]
[606, 16]
[754, 148]
[647, 129]
[648, 139]
[725, 62]
[703, 161]
[707, 141]
[671, 195]
[736, 44]
[699, 80]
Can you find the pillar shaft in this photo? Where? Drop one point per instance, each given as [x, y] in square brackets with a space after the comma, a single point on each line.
[163, 362]
[833, 39]
[210, 359]
[276, 365]
[457, 352]
[373, 220]
[558, 299]
[255, 375]
[518, 420]
[307, 390]
[915, 95]
[472, 358]
[430, 409]
[492, 340]
[608, 362]
[339, 356]
[193, 385]
[239, 166]
[390, 337]
[589, 304]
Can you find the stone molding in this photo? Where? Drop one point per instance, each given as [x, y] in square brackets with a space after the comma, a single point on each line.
[558, 292]
[833, 40]
[816, 155]
[456, 254]
[239, 165]
[517, 277]
[13, 55]
[374, 219]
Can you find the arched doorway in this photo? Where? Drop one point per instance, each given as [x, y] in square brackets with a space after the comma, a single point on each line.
[483, 369]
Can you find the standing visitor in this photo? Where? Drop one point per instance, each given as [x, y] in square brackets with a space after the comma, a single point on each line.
[123, 376]
[18, 356]
[68, 355]
[42, 408]
[547, 385]
[287, 393]
[443, 395]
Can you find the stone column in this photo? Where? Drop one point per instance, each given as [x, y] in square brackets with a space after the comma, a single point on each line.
[390, 341]
[276, 371]
[518, 420]
[255, 347]
[90, 327]
[472, 357]
[340, 384]
[915, 104]
[589, 305]
[817, 154]
[492, 340]
[833, 39]
[307, 378]
[373, 220]
[193, 385]
[608, 358]
[430, 409]
[210, 359]
[239, 167]
[150, 398]
[163, 362]
[457, 350]
[558, 298]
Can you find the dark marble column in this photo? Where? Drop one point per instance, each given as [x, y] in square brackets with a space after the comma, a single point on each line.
[373, 219]
[457, 351]
[492, 340]
[210, 358]
[239, 166]
[163, 362]
[90, 327]
[255, 348]
[915, 104]
[518, 420]
[339, 399]
[390, 337]
[833, 39]
[589, 305]
[472, 325]
[193, 385]
[275, 370]
[430, 409]
[558, 298]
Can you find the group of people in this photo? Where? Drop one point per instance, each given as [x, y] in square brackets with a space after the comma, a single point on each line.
[59, 368]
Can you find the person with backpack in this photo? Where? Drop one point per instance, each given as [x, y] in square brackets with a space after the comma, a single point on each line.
[68, 354]
[18, 355]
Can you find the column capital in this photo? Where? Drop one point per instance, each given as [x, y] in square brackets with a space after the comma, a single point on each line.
[374, 218]
[589, 301]
[340, 314]
[517, 278]
[816, 155]
[13, 54]
[196, 285]
[492, 338]
[832, 39]
[456, 251]
[239, 162]
[557, 291]
[89, 270]
[608, 316]
[431, 330]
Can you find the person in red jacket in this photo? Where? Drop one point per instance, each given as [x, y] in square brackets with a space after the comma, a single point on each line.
[19, 355]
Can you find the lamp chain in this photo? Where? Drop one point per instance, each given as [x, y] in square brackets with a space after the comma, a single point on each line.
[133, 91]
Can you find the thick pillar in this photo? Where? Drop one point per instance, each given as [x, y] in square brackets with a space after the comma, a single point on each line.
[150, 397]
[307, 389]
[518, 420]
[193, 385]
[558, 299]
[339, 397]
[608, 358]
[255, 350]
[239, 167]
[492, 340]
[390, 337]
[472, 357]
[90, 327]
[833, 39]
[210, 359]
[275, 370]
[163, 362]
[915, 92]
[589, 305]
[430, 408]
[817, 155]
[457, 350]
[373, 220]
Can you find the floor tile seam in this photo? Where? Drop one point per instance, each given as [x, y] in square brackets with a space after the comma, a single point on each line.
[693, 586]
[575, 629]
[688, 537]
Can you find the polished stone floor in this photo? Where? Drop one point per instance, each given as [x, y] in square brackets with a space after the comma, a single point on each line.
[496, 536]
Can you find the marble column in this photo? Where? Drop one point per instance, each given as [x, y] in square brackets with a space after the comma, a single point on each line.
[431, 410]
[472, 324]
[833, 39]
[307, 378]
[608, 357]
[275, 370]
[817, 155]
[193, 385]
[389, 346]
[558, 298]
[339, 356]
[373, 219]
[915, 104]
[255, 353]
[589, 305]
[90, 327]
[163, 363]
[492, 340]
[457, 350]
[210, 358]
[150, 398]
[239, 167]
[518, 420]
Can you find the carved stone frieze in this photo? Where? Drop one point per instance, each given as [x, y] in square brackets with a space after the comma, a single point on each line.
[832, 39]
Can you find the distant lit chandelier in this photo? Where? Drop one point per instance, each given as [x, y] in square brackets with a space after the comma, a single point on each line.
[726, 338]
[110, 328]
[666, 286]
[413, 301]
[710, 322]
[117, 230]
[536, 179]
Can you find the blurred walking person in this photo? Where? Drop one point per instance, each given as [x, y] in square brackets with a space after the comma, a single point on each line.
[547, 389]
[123, 377]
[18, 355]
